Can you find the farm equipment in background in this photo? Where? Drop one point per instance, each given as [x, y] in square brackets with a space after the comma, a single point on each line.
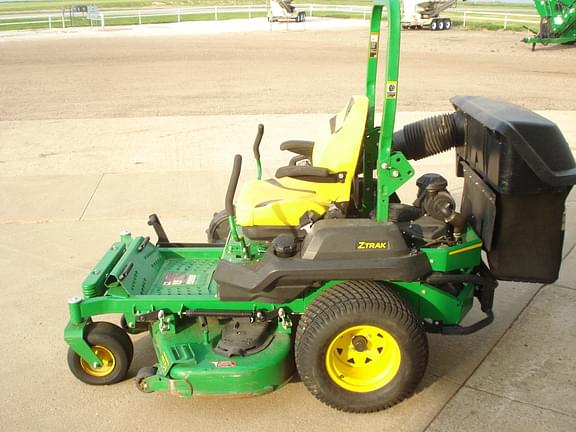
[419, 14]
[322, 269]
[283, 11]
[557, 23]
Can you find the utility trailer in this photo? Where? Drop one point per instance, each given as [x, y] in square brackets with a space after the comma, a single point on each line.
[419, 14]
[557, 23]
[283, 11]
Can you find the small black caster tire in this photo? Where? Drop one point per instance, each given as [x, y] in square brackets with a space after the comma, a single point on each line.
[142, 375]
[113, 346]
[360, 348]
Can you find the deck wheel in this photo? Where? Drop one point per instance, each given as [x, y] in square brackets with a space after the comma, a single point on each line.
[142, 375]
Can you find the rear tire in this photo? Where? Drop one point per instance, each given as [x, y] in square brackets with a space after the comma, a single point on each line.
[434, 25]
[219, 228]
[447, 24]
[113, 346]
[359, 347]
[440, 25]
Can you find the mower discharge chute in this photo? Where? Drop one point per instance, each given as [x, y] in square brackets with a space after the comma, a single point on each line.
[323, 269]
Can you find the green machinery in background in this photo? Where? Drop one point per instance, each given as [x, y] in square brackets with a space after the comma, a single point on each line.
[557, 23]
[322, 270]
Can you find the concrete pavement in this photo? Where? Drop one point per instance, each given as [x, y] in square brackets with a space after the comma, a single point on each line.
[68, 188]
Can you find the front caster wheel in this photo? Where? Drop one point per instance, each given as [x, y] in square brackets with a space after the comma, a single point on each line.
[112, 346]
[142, 375]
[359, 347]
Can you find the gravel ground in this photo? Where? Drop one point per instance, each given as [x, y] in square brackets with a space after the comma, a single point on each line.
[154, 72]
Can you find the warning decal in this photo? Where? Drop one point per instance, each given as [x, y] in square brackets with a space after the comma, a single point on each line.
[374, 37]
[174, 279]
[224, 364]
[391, 89]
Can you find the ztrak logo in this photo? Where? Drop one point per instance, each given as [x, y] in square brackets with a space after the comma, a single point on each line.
[372, 245]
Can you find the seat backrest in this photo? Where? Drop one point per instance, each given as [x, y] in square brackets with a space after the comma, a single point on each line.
[340, 151]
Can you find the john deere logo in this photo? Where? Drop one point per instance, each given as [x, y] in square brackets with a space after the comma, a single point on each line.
[372, 245]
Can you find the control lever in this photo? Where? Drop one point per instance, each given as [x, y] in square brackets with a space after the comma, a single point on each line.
[256, 149]
[154, 222]
[229, 204]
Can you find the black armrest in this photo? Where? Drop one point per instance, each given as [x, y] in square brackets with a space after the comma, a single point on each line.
[310, 173]
[301, 147]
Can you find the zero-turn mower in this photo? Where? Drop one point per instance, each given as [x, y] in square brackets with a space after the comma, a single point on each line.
[322, 270]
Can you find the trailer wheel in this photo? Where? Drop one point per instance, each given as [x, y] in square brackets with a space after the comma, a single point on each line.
[440, 24]
[447, 24]
[359, 347]
[114, 348]
[434, 25]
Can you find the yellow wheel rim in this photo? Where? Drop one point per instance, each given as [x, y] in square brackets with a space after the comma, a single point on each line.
[106, 357]
[363, 358]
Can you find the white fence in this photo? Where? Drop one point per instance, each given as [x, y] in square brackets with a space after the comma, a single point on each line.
[494, 17]
[145, 16]
[184, 14]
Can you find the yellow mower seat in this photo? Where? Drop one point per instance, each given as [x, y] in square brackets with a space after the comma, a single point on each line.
[280, 202]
